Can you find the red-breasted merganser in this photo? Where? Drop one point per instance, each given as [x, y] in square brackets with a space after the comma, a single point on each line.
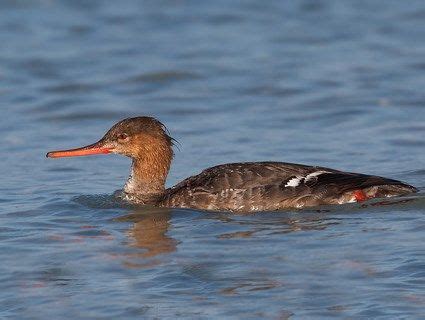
[237, 187]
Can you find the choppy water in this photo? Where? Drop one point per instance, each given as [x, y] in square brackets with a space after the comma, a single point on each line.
[332, 83]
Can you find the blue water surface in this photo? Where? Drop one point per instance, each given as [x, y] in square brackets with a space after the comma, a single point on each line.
[331, 83]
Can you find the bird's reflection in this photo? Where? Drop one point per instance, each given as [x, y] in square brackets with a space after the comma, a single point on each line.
[268, 223]
[149, 232]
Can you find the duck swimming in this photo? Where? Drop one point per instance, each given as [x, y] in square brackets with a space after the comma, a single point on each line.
[236, 187]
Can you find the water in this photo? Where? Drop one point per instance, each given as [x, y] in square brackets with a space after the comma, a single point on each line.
[331, 83]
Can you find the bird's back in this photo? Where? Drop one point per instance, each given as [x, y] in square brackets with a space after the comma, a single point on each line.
[262, 186]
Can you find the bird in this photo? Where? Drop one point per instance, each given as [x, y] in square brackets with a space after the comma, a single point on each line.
[231, 187]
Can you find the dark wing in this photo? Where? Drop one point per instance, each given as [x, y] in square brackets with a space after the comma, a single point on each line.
[347, 181]
[339, 187]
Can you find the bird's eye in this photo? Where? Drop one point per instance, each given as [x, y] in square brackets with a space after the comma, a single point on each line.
[122, 136]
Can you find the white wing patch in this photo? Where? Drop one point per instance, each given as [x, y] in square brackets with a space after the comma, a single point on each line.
[294, 182]
[314, 174]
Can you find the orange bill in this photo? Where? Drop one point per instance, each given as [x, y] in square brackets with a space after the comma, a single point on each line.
[95, 148]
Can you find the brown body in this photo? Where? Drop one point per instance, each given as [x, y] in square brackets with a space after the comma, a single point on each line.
[237, 187]
[263, 186]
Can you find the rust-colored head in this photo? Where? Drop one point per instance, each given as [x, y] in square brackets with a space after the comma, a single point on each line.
[145, 140]
[132, 137]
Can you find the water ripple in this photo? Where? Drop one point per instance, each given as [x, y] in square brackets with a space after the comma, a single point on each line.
[332, 83]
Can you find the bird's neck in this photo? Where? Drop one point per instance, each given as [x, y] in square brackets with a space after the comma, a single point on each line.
[149, 172]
